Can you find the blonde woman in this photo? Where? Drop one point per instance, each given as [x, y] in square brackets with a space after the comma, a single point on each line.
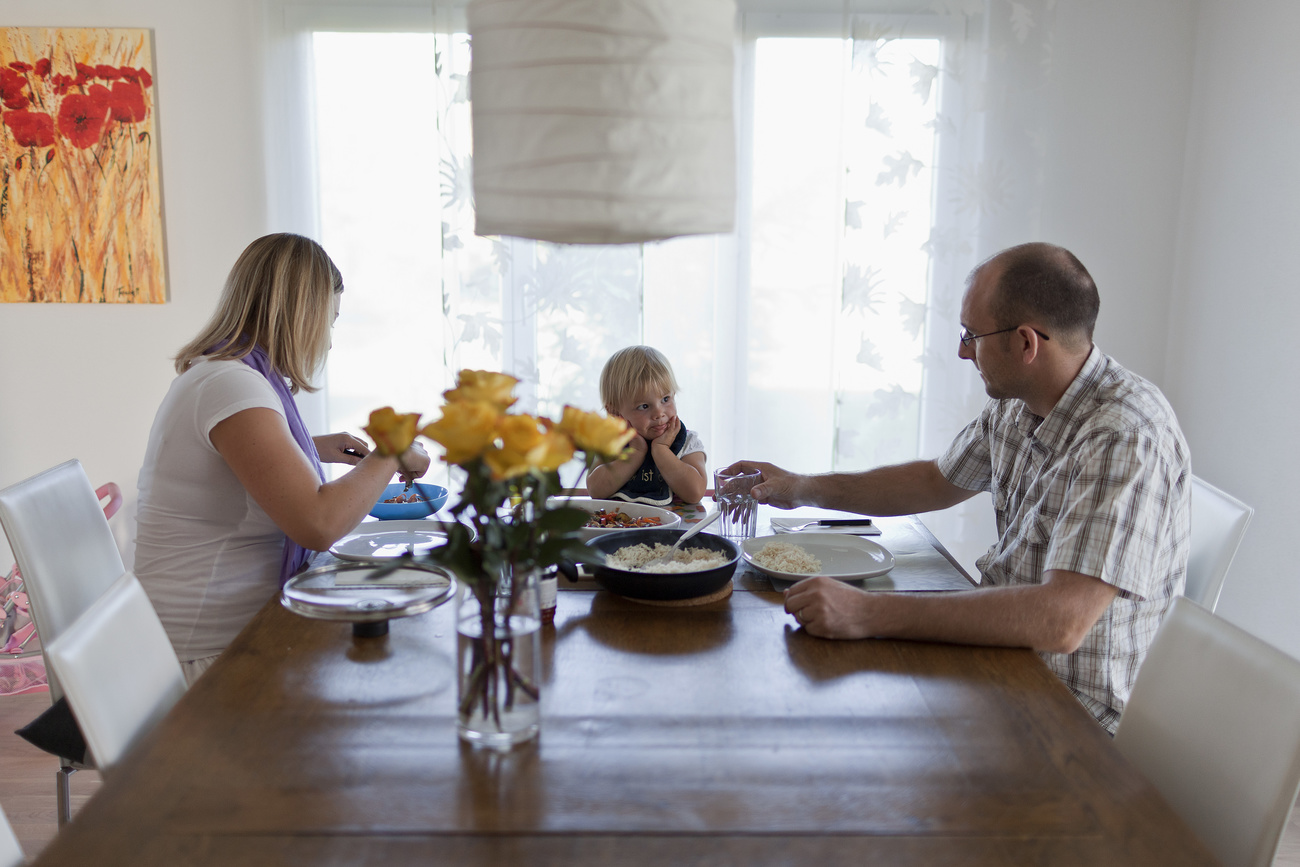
[232, 497]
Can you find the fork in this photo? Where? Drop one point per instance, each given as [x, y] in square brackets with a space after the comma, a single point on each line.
[830, 522]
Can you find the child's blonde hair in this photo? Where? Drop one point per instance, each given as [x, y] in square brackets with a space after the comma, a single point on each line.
[631, 371]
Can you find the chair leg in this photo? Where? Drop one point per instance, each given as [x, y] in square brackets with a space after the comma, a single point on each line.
[63, 793]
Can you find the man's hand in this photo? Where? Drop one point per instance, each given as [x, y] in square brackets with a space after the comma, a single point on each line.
[830, 609]
[777, 487]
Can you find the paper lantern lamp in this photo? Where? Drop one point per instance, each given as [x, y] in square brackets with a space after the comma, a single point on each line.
[602, 121]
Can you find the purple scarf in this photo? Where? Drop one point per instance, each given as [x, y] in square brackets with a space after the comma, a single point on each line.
[295, 556]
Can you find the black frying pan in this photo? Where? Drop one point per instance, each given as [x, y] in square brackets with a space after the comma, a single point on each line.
[655, 585]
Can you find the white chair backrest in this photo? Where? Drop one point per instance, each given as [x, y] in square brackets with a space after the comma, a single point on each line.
[1218, 522]
[64, 547]
[118, 670]
[1214, 723]
[11, 854]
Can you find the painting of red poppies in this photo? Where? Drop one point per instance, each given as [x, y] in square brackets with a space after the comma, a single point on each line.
[80, 206]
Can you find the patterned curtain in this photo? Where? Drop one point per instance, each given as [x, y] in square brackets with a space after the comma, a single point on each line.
[882, 157]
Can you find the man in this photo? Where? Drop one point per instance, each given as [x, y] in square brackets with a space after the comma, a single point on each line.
[1090, 480]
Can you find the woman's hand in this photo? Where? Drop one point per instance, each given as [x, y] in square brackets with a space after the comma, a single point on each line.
[414, 462]
[340, 448]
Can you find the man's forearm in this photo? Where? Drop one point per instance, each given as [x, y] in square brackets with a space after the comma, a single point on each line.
[1054, 616]
[901, 489]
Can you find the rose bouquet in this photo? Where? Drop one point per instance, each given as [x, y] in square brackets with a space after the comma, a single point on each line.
[505, 530]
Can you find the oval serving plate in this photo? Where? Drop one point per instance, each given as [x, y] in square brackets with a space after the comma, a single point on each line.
[847, 558]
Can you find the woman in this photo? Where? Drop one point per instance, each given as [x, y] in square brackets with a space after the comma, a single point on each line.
[232, 494]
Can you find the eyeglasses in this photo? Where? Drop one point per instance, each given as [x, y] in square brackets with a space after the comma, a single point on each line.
[967, 338]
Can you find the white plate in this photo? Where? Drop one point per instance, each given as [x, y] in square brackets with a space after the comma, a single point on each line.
[784, 525]
[848, 558]
[667, 519]
[379, 540]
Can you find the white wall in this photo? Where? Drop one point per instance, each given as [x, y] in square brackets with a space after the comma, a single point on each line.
[1121, 92]
[84, 381]
[1236, 303]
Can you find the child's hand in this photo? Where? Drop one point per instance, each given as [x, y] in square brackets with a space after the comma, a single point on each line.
[638, 447]
[666, 438]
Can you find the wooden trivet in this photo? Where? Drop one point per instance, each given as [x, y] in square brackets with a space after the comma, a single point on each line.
[715, 596]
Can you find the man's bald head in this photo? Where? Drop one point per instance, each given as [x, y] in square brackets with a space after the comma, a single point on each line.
[1045, 285]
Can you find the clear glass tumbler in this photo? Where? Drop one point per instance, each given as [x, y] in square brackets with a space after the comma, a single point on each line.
[739, 511]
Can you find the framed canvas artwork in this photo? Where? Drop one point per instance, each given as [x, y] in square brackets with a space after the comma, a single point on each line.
[80, 204]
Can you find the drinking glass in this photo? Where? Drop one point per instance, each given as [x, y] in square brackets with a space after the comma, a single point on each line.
[739, 519]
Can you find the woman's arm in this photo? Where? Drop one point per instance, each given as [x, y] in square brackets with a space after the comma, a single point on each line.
[260, 450]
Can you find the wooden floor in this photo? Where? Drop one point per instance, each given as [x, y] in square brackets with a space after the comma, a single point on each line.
[27, 776]
[27, 784]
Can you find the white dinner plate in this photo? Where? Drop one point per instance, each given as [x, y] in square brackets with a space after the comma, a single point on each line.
[380, 540]
[848, 558]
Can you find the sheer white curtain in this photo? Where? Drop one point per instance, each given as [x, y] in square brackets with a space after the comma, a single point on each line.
[881, 157]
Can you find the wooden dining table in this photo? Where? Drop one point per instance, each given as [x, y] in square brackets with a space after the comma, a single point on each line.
[719, 733]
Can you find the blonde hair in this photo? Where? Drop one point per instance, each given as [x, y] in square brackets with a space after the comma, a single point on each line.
[279, 296]
[630, 371]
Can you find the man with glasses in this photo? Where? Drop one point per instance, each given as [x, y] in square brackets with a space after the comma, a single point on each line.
[1090, 480]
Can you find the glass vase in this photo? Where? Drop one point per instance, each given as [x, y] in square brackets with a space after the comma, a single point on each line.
[499, 661]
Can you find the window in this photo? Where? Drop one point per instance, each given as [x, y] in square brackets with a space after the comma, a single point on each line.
[801, 337]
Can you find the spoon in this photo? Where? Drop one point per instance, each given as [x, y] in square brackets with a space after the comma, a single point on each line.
[677, 546]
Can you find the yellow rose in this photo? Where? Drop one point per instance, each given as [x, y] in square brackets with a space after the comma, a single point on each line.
[392, 431]
[595, 433]
[481, 385]
[557, 448]
[527, 443]
[466, 430]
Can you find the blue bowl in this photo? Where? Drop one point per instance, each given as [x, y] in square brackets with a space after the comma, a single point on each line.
[435, 495]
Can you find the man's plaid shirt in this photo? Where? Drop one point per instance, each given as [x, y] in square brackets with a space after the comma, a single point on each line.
[1101, 486]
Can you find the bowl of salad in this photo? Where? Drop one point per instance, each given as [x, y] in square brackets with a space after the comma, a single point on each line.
[612, 516]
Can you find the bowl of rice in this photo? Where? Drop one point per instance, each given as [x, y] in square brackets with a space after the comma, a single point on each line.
[703, 565]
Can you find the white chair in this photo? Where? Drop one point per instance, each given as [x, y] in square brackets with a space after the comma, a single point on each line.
[1218, 523]
[1214, 723]
[118, 670]
[67, 556]
[11, 854]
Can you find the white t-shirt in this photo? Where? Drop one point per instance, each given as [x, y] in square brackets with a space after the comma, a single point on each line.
[206, 553]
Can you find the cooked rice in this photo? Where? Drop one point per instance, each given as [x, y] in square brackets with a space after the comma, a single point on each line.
[787, 557]
[633, 558]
